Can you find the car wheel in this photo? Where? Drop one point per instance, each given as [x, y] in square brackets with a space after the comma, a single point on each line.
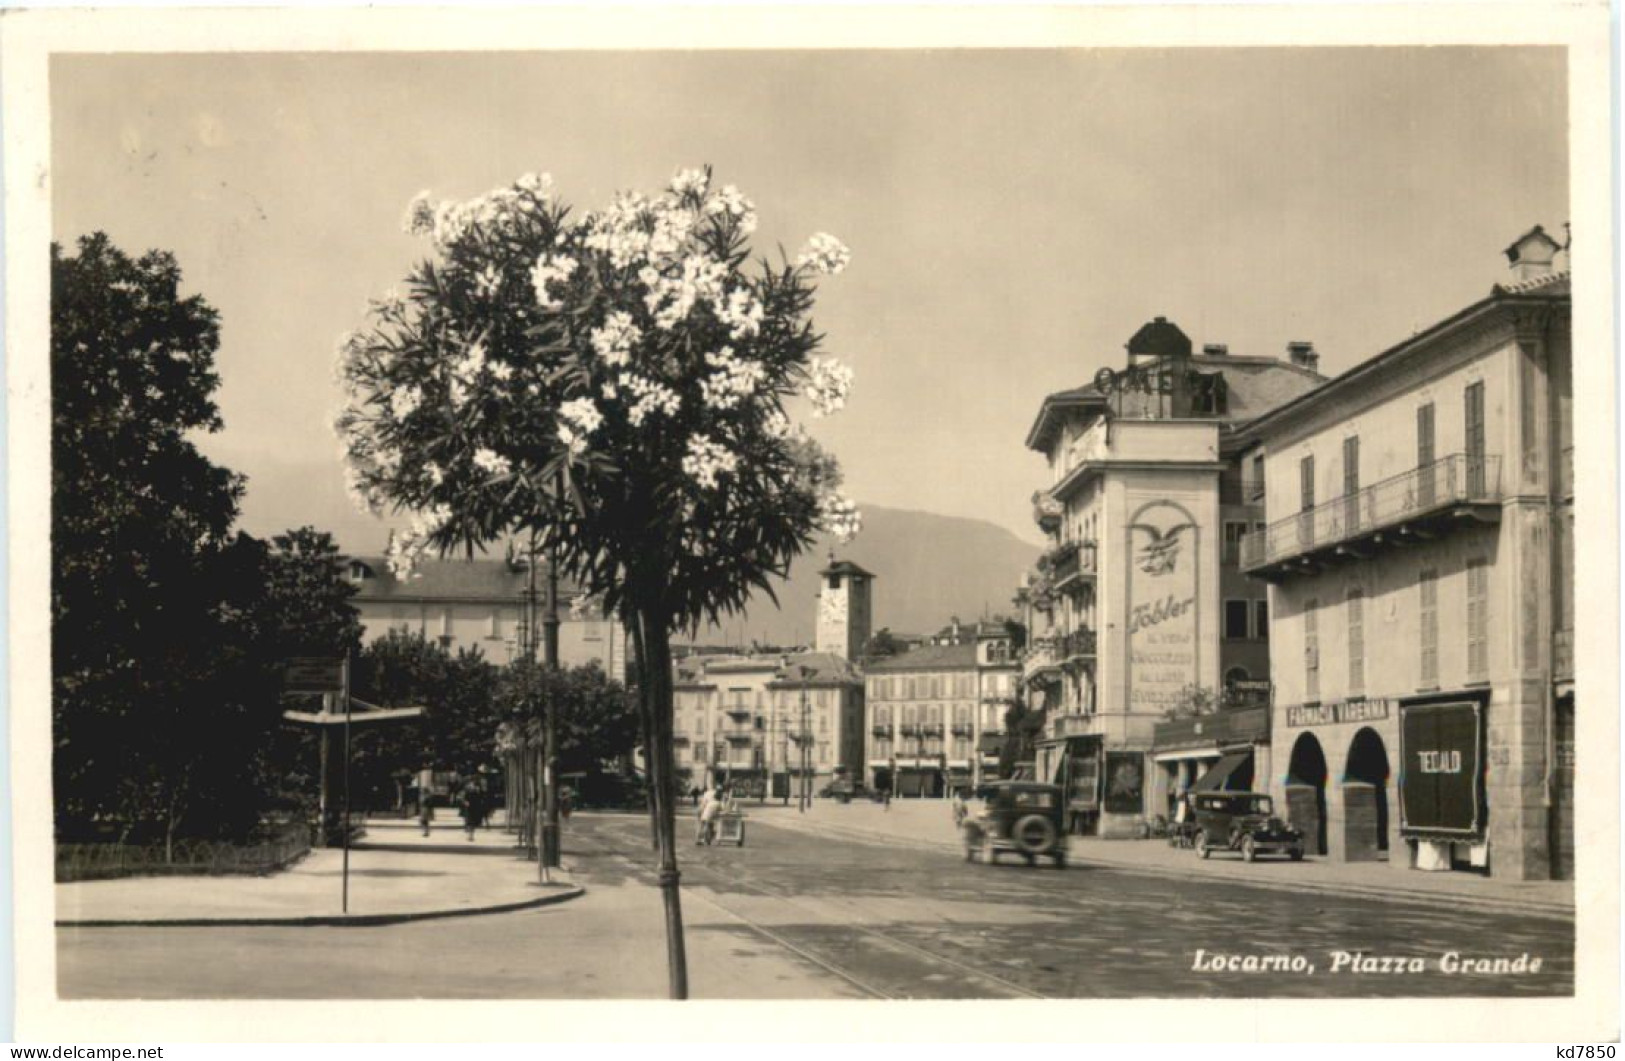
[1060, 860]
[1034, 834]
[1297, 854]
[970, 853]
[1202, 850]
[1249, 850]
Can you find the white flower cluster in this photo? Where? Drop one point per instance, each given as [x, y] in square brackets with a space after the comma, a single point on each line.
[706, 460]
[741, 312]
[406, 548]
[672, 298]
[615, 339]
[550, 270]
[825, 254]
[652, 396]
[350, 347]
[828, 383]
[404, 402]
[472, 363]
[419, 220]
[501, 208]
[581, 607]
[839, 516]
[734, 379]
[578, 419]
[488, 282]
[777, 425]
[732, 202]
[690, 182]
[492, 463]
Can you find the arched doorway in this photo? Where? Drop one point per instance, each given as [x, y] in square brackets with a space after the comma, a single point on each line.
[1365, 798]
[1306, 791]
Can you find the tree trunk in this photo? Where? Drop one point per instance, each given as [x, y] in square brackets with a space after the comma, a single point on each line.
[645, 722]
[654, 667]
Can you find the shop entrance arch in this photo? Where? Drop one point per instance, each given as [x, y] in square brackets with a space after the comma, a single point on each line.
[1365, 797]
[1306, 791]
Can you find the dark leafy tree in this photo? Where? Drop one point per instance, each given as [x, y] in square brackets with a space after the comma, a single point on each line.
[152, 600]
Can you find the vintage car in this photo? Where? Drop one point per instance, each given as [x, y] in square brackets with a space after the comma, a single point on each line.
[1239, 821]
[1020, 816]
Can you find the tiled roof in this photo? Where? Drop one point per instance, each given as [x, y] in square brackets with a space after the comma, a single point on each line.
[846, 567]
[1554, 284]
[473, 581]
[930, 657]
[825, 668]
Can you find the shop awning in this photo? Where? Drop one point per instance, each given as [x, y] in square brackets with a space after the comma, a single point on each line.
[1218, 775]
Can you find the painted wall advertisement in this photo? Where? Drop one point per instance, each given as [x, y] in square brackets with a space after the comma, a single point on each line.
[1162, 618]
[1441, 785]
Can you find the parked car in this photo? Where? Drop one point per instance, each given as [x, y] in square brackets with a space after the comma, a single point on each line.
[1021, 816]
[1239, 821]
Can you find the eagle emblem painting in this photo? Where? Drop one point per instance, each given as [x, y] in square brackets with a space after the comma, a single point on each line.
[1159, 555]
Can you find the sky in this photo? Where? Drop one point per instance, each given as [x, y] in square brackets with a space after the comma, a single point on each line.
[1014, 216]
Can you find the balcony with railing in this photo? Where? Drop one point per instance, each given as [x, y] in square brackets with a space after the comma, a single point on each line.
[909, 729]
[1043, 654]
[881, 730]
[1418, 505]
[931, 729]
[963, 729]
[1077, 646]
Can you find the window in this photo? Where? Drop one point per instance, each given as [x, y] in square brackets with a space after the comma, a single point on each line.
[1253, 488]
[1351, 483]
[1306, 496]
[1233, 532]
[1311, 652]
[1354, 606]
[494, 626]
[1235, 620]
[1261, 620]
[1478, 619]
[1428, 590]
[1474, 401]
[835, 582]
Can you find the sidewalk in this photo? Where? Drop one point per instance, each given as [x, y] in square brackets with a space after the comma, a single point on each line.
[928, 824]
[396, 874]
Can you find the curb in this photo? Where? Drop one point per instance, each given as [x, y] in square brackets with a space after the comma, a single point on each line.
[564, 894]
[1494, 904]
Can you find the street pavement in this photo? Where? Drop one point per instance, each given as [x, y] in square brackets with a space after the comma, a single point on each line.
[927, 824]
[798, 914]
[396, 873]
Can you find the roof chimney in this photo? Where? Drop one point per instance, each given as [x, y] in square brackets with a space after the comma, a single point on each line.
[1303, 355]
[1531, 254]
[1215, 350]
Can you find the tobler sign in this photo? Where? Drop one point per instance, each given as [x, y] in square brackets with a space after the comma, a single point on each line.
[1441, 784]
[1162, 632]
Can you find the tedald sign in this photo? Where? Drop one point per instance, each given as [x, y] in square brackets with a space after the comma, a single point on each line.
[1441, 788]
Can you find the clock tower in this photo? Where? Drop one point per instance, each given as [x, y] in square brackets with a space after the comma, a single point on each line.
[844, 602]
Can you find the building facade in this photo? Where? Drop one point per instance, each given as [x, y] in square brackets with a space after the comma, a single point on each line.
[768, 726]
[479, 604]
[936, 713]
[1419, 552]
[1137, 607]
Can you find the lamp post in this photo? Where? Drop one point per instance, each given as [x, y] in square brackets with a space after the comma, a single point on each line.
[804, 738]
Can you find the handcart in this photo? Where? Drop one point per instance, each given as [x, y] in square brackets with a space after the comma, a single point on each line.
[730, 828]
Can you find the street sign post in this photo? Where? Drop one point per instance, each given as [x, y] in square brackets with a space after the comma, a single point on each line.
[315, 674]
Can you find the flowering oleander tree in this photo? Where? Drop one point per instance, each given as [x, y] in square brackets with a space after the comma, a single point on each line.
[619, 382]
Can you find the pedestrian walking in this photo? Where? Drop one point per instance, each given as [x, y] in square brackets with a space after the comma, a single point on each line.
[710, 807]
[885, 800]
[958, 809]
[425, 811]
[469, 805]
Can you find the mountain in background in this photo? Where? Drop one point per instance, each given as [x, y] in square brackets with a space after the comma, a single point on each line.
[927, 567]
